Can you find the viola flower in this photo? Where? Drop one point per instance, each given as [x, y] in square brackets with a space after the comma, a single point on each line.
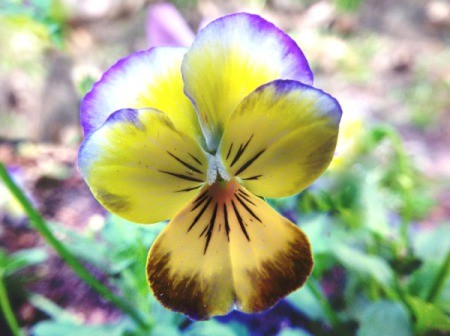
[200, 136]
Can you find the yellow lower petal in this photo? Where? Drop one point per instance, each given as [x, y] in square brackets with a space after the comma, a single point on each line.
[227, 248]
[274, 261]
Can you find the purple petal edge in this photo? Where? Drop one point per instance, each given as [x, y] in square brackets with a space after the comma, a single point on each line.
[87, 102]
[283, 86]
[292, 47]
[303, 70]
[126, 115]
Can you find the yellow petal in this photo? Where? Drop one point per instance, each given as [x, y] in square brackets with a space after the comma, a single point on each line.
[281, 138]
[146, 79]
[230, 58]
[274, 260]
[140, 167]
[227, 249]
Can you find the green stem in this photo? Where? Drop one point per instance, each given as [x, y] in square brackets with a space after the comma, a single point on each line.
[404, 239]
[398, 294]
[404, 167]
[439, 280]
[40, 225]
[7, 310]
[325, 305]
[373, 288]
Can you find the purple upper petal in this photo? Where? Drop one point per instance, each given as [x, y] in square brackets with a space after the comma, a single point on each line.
[166, 27]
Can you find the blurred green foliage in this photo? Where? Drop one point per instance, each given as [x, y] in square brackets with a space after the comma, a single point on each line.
[427, 98]
[12, 280]
[394, 276]
[348, 5]
[49, 16]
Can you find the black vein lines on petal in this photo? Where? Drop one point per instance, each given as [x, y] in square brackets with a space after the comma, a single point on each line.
[189, 189]
[229, 151]
[243, 192]
[200, 197]
[241, 222]
[181, 176]
[204, 199]
[227, 224]
[199, 215]
[249, 162]
[250, 211]
[184, 163]
[246, 196]
[255, 177]
[210, 228]
[204, 230]
[240, 151]
[196, 160]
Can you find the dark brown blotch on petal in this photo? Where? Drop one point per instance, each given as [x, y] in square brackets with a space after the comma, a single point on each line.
[181, 294]
[282, 274]
[112, 202]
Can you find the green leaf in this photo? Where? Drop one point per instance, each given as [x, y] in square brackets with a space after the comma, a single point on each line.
[3, 261]
[374, 211]
[209, 328]
[443, 300]
[51, 328]
[85, 85]
[239, 328]
[22, 259]
[364, 264]
[51, 309]
[165, 330]
[419, 282]
[348, 5]
[293, 332]
[124, 234]
[83, 246]
[304, 300]
[316, 229]
[385, 318]
[428, 316]
[433, 244]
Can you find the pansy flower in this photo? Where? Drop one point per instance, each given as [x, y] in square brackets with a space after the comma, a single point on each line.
[200, 136]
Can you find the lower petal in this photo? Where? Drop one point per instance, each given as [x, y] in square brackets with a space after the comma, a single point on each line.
[271, 260]
[226, 249]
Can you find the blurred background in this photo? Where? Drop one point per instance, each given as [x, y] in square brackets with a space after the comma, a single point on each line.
[378, 220]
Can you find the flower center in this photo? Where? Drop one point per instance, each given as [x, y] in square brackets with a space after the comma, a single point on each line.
[216, 170]
[222, 204]
[223, 191]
